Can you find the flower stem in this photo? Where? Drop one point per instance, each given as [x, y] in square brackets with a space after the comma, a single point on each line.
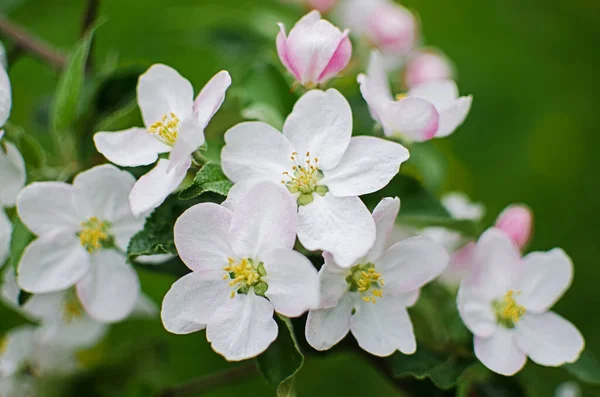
[199, 158]
[229, 376]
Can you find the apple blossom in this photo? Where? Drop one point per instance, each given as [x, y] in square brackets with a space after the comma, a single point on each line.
[370, 298]
[5, 96]
[315, 50]
[81, 228]
[505, 303]
[426, 65]
[3, 58]
[410, 118]
[568, 389]
[243, 269]
[322, 166]
[453, 110]
[516, 221]
[391, 28]
[174, 122]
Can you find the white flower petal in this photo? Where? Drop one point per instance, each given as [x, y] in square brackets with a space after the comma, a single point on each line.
[332, 280]
[500, 353]
[102, 192]
[255, 150]
[17, 351]
[326, 327]
[189, 138]
[5, 233]
[153, 188]
[293, 282]
[549, 339]
[126, 228]
[496, 264]
[48, 265]
[110, 289]
[145, 307]
[385, 217]
[238, 192]
[130, 148]
[79, 333]
[12, 173]
[5, 96]
[442, 93]
[242, 328]
[321, 123]
[368, 165]
[476, 310]
[192, 300]
[264, 220]
[412, 118]
[546, 277]
[49, 208]
[412, 263]
[211, 97]
[383, 327]
[460, 206]
[379, 85]
[162, 90]
[342, 226]
[452, 117]
[202, 236]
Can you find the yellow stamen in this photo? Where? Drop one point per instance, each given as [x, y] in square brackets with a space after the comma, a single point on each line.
[243, 274]
[400, 96]
[167, 128]
[508, 311]
[364, 278]
[93, 234]
[72, 310]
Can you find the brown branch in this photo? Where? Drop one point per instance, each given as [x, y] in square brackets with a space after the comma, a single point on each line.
[200, 385]
[31, 44]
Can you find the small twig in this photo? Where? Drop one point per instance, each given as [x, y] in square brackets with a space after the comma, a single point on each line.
[33, 45]
[212, 381]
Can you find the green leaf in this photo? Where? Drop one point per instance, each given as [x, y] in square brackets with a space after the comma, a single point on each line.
[466, 227]
[443, 369]
[427, 164]
[20, 238]
[31, 150]
[210, 178]
[265, 113]
[282, 360]
[70, 84]
[586, 369]
[265, 85]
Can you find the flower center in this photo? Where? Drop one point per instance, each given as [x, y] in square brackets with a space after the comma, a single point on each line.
[72, 310]
[246, 274]
[3, 344]
[167, 128]
[95, 234]
[508, 311]
[366, 281]
[401, 96]
[304, 178]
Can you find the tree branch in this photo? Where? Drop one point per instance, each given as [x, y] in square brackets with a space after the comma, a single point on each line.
[212, 381]
[31, 44]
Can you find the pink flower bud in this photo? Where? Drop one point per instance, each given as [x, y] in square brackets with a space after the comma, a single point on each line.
[392, 28]
[321, 5]
[315, 50]
[517, 222]
[425, 66]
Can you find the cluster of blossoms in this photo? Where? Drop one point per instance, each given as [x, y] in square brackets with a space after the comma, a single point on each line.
[302, 183]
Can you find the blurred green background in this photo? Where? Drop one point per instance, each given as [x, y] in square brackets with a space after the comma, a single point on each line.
[531, 137]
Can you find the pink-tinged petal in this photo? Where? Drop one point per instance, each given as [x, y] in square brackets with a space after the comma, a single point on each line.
[392, 28]
[321, 125]
[293, 282]
[453, 117]
[383, 328]
[12, 173]
[375, 87]
[130, 148]
[189, 138]
[211, 97]
[48, 265]
[202, 237]
[5, 96]
[546, 277]
[368, 165]
[332, 280]
[263, 221]
[441, 93]
[548, 339]
[242, 328]
[517, 222]
[427, 65]
[339, 60]
[192, 300]
[412, 263]
[460, 265]
[500, 353]
[326, 327]
[385, 217]
[412, 118]
[476, 310]
[162, 90]
[460, 206]
[283, 51]
[342, 226]
[321, 5]
[153, 188]
[109, 291]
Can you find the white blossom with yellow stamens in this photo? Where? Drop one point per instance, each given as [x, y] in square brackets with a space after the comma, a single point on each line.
[370, 298]
[174, 123]
[505, 302]
[243, 270]
[82, 231]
